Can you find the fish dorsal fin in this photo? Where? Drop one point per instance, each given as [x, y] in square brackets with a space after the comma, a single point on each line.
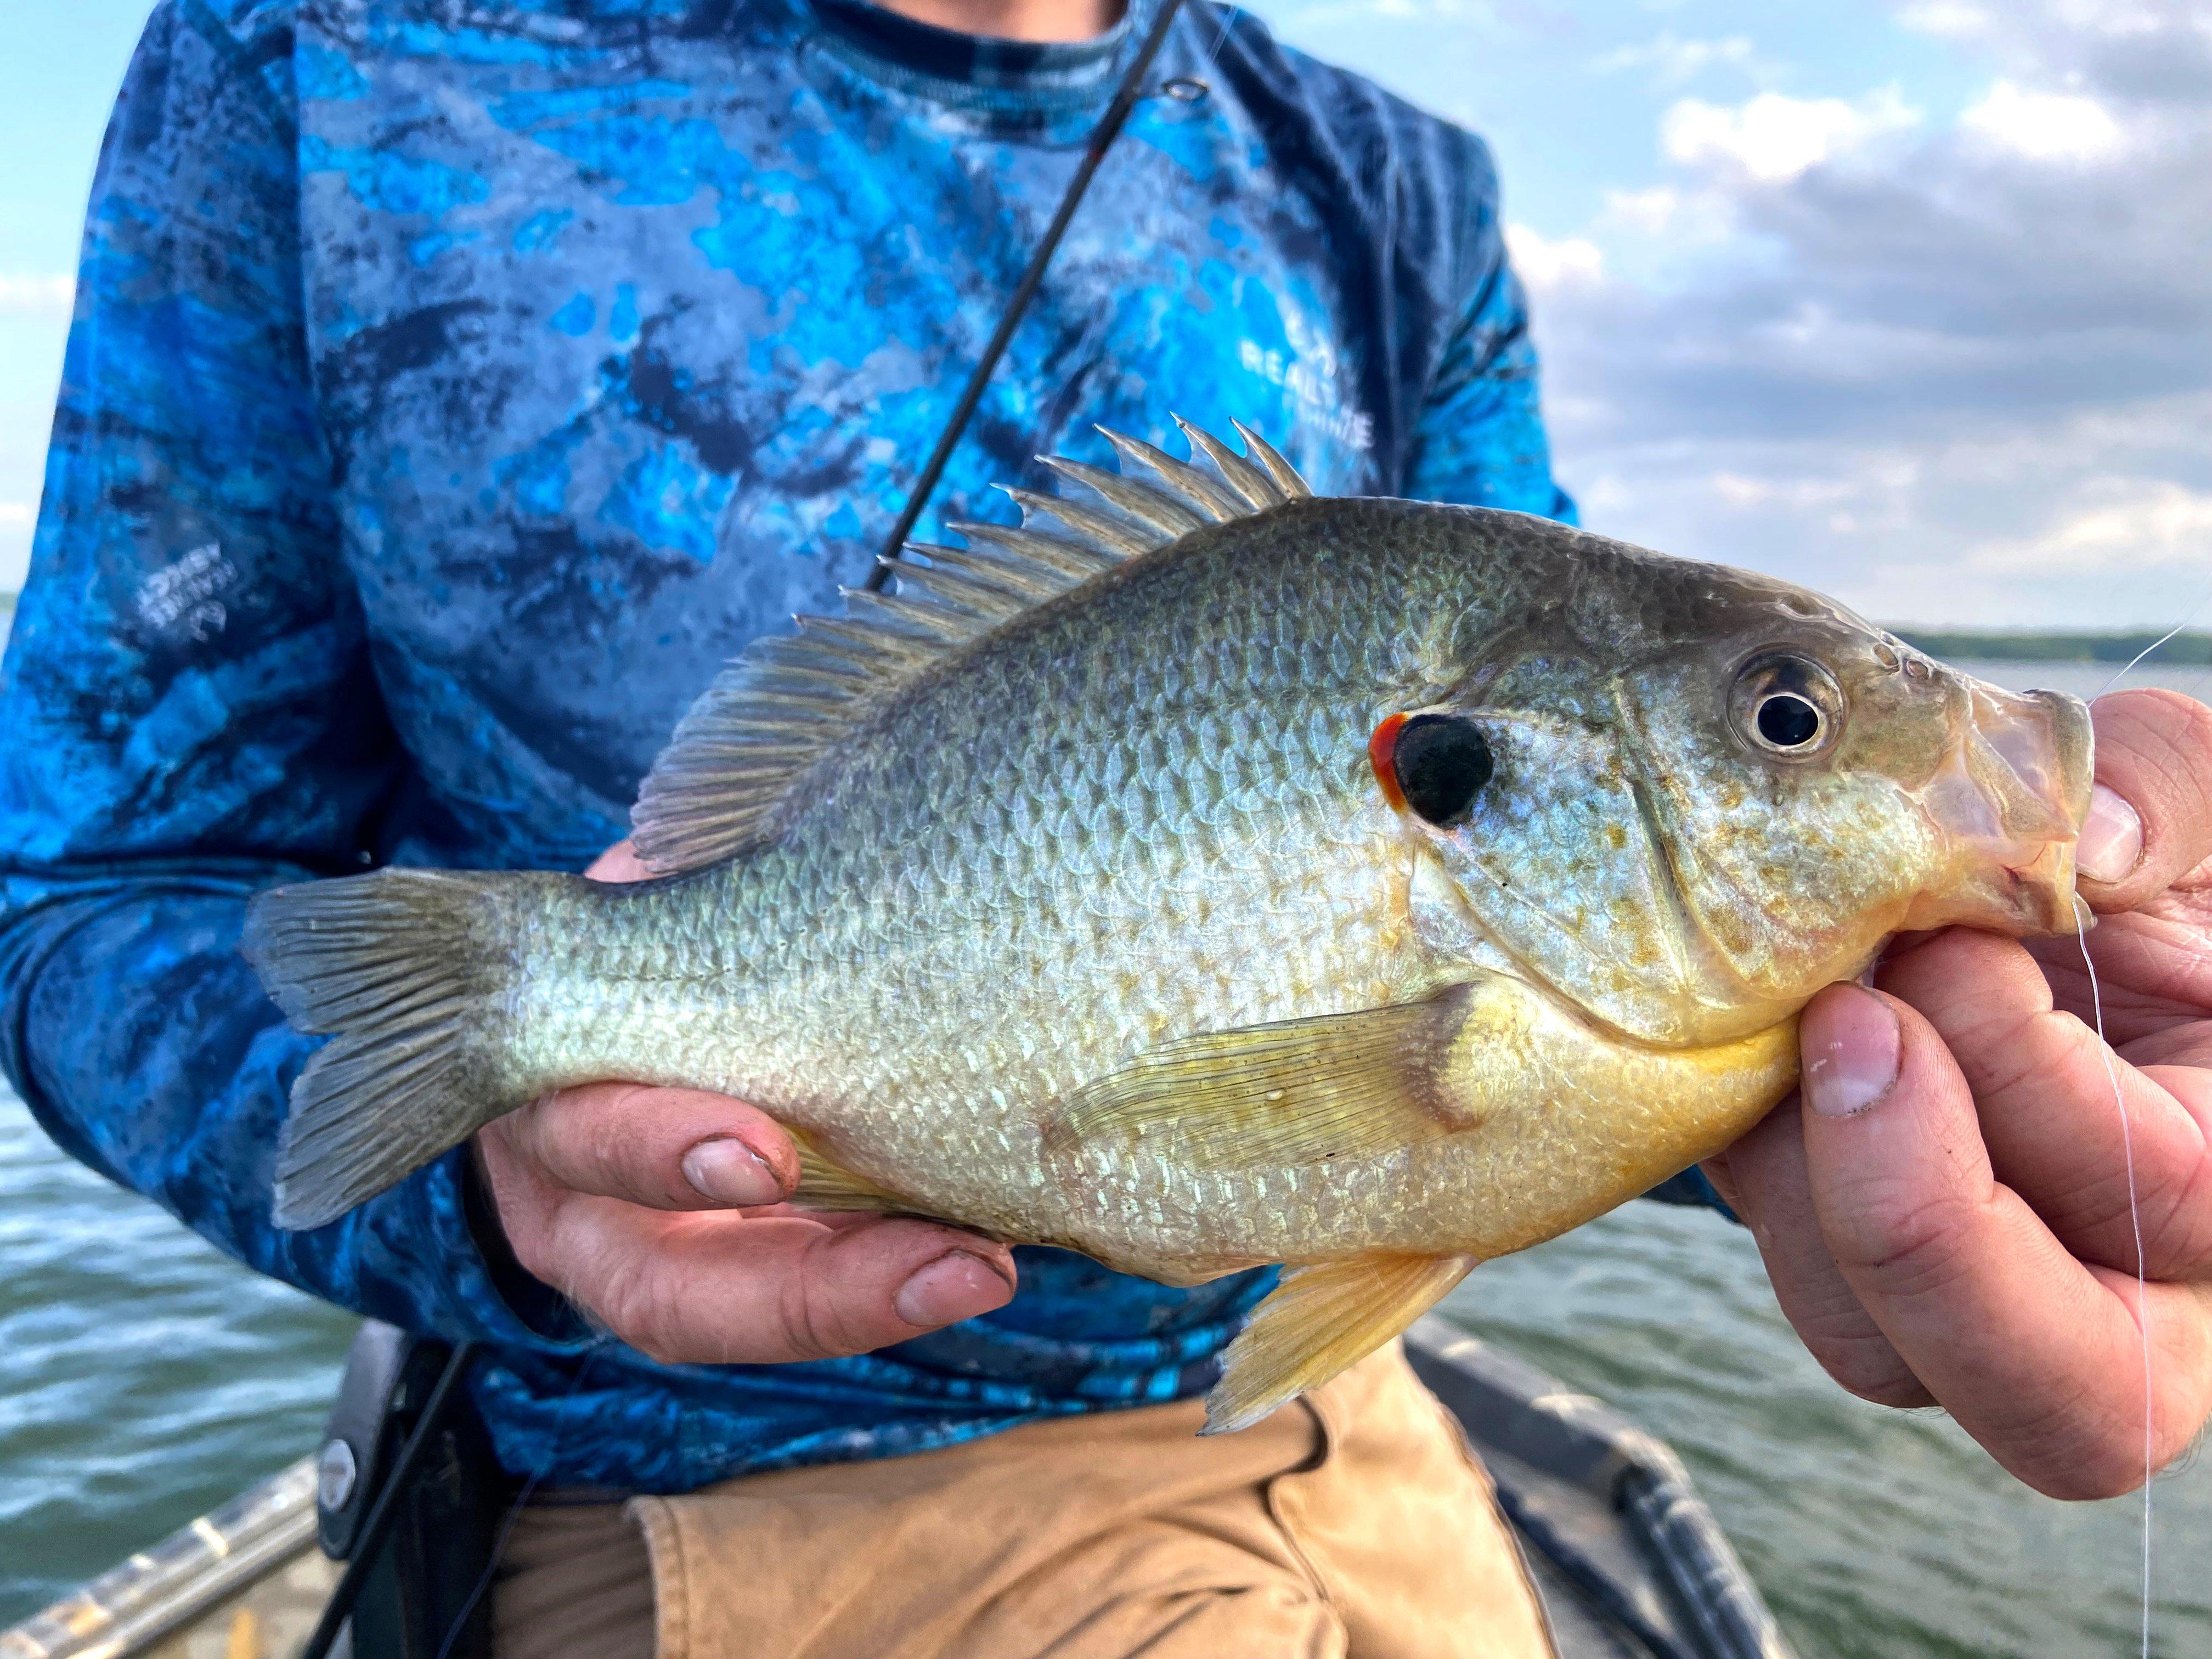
[716, 788]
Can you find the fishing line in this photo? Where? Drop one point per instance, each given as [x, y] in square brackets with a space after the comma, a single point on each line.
[2135, 1219]
[1229, 16]
[498, 1554]
[2195, 610]
[2127, 1147]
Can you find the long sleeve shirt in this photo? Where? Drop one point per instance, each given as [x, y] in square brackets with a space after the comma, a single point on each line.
[451, 390]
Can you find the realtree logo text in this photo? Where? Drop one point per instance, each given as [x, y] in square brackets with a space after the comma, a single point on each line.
[1310, 374]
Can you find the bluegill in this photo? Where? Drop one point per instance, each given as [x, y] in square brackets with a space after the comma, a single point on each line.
[1208, 874]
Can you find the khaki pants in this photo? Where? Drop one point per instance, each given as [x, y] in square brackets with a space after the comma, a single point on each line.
[1353, 1525]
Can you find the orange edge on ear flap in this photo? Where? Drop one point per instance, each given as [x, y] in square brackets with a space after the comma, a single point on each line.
[1382, 754]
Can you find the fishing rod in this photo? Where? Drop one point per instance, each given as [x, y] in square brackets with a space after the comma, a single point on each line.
[1102, 140]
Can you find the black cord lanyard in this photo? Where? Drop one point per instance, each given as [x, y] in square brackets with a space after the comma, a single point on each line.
[1102, 140]
[385, 1508]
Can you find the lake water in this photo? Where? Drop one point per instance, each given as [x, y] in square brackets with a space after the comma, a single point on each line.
[143, 1378]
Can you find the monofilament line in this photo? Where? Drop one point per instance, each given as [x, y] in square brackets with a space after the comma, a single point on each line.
[2134, 661]
[2134, 1220]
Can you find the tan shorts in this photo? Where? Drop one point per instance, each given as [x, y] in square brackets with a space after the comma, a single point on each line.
[1353, 1525]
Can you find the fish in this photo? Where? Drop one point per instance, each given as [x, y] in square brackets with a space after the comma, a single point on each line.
[1206, 874]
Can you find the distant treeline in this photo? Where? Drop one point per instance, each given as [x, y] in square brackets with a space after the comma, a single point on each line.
[2182, 651]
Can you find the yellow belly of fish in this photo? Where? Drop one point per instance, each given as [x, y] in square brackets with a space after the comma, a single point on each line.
[1381, 1155]
[1529, 1122]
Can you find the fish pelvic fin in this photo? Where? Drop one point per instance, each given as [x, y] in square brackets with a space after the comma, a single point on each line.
[1321, 1319]
[825, 1184]
[1334, 1087]
[720, 786]
[408, 970]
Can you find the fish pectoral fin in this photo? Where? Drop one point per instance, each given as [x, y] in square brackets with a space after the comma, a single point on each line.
[1297, 1092]
[825, 1184]
[1319, 1321]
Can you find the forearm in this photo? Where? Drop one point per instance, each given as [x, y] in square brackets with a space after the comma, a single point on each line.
[142, 1043]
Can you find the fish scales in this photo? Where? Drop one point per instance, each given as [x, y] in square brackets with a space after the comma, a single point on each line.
[1068, 819]
[1368, 886]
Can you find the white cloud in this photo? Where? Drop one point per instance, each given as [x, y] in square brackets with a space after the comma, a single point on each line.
[1650, 211]
[1672, 60]
[2122, 524]
[1952, 371]
[1954, 368]
[1774, 138]
[2045, 126]
[1948, 19]
[36, 295]
[1867, 485]
[1548, 265]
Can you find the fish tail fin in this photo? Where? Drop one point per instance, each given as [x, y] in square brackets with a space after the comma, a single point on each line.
[407, 969]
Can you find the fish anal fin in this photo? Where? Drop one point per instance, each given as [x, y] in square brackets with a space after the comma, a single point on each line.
[1321, 1319]
[1296, 1092]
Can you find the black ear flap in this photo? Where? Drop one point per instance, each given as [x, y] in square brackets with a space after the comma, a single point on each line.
[1432, 765]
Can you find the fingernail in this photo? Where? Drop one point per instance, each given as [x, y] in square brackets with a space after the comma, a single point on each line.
[2111, 838]
[955, 1287]
[1852, 1061]
[730, 1172]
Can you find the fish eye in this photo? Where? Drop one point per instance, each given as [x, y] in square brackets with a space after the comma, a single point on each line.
[1437, 764]
[1786, 706]
[1787, 721]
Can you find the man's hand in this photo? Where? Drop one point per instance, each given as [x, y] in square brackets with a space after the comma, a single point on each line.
[1947, 1216]
[658, 1212]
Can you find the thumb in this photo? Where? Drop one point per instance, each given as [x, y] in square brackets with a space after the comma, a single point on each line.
[2009, 1333]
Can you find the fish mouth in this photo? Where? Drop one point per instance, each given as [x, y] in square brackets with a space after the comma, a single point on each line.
[2009, 800]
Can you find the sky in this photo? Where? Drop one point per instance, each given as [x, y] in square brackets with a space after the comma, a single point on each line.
[1909, 302]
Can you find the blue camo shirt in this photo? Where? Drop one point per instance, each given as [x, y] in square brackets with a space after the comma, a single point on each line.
[453, 388]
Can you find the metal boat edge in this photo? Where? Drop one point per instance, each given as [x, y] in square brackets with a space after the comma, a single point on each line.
[223, 1556]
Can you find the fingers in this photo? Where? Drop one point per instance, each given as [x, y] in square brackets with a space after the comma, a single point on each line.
[1766, 1183]
[2033, 1352]
[2150, 816]
[585, 1181]
[763, 1290]
[2044, 1086]
[667, 1149]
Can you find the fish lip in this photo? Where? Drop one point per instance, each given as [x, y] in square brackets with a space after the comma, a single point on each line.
[2010, 797]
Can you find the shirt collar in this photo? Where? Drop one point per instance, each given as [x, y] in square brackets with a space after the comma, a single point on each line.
[968, 69]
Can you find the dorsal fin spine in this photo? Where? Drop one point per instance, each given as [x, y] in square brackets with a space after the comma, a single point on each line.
[1077, 563]
[1111, 531]
[955, 588]
[1212, 501]
[723, 784]
[1008, 576]
[1285, 475]
[1257, 488]
[916, 619]
[1155, 508]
